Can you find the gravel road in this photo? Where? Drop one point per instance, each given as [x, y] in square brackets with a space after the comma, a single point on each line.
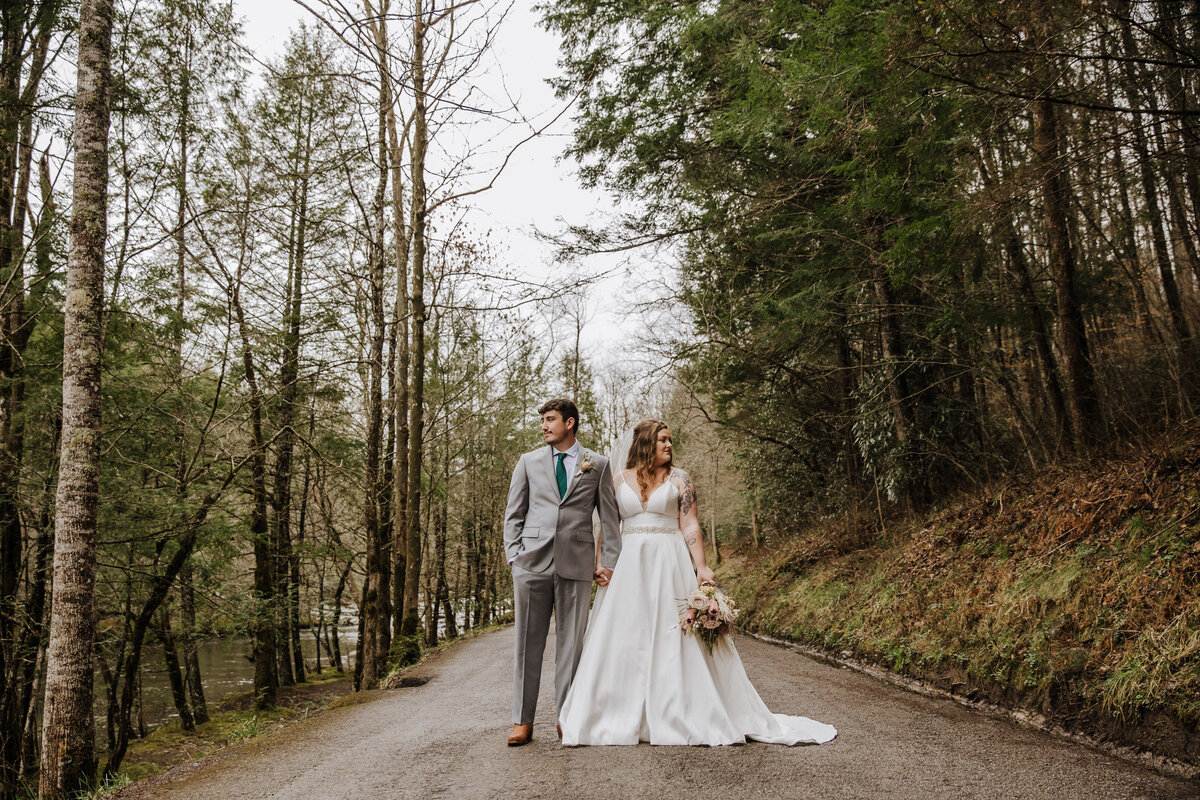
[446, 740]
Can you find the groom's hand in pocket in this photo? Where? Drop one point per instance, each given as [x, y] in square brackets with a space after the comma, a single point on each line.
[602, 576]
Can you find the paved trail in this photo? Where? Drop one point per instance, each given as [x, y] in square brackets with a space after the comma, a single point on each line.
[446, 740]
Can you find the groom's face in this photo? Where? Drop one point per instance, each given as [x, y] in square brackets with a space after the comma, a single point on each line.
[554, 429]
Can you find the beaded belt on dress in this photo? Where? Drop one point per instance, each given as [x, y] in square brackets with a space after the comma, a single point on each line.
[650, 529]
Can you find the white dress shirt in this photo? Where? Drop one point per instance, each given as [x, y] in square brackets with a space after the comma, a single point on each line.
[568, 463]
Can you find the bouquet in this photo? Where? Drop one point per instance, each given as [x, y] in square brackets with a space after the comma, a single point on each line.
[707, 613]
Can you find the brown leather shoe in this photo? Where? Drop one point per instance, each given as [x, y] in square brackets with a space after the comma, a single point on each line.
[521, 734]
[559, 727]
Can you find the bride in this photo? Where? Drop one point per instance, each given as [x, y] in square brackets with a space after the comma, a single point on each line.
[640, 679]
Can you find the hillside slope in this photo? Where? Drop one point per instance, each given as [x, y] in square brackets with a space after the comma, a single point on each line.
[1073, 593]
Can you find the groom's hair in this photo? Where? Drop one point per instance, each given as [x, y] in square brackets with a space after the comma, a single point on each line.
[564, 407]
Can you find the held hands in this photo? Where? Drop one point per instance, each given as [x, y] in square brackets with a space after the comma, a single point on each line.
[705, 575]
[602, 576]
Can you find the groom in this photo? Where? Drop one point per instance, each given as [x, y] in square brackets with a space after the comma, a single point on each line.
[554, 556]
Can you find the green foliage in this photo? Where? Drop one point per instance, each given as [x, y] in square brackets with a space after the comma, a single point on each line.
[792, 154]
[856, 201]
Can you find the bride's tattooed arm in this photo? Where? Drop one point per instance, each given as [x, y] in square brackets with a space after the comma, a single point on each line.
[687, 493]
[689, 522]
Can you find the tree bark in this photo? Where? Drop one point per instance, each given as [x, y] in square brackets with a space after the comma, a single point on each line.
[191, 657]
[287, 576]
[1181, 98]
[336, 646]
[16, 159]
[845, 389]
[412, 576]
[68, 749]
[1082, 403]
[174, 674]
[376, 606]
[893, 350]
[266, 682]
[400, 454]
[1150, 192]
[305, 483]
[187, 602]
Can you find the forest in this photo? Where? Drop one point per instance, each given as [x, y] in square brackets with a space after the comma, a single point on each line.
[259, 374]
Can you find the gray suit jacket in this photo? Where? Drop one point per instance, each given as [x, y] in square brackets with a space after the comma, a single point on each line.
[543, 532]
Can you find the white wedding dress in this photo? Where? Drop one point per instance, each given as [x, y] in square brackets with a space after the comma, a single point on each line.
[640, 679]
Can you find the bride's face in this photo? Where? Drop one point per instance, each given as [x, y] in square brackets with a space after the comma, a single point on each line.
[663, 448]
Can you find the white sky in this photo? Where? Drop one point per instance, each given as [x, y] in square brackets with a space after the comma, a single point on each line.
[536, 190]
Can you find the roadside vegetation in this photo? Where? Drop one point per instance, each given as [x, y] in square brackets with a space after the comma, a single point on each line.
[1071, 592]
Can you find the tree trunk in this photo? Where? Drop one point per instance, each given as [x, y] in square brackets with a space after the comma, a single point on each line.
[377, 601]
[358, 653]
[287, 578]
[1130, 259]
[336, 652]
[140, 709]
[399, 378]
[412, 577]
[266, 682]
[1150, 192]
[443, 585]
[893, 356]
[174, 675]
[187, 601]
[191, 657]
[306, 482]
[32, 655]
[850, 451]
[16, 159]
[68, 738]
[893, 351]
[318, 628]
[159, 588]
[1182, 102]
[1018, 266]
[1082, 403]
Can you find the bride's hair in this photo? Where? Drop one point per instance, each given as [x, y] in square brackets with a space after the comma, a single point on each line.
[641, 452]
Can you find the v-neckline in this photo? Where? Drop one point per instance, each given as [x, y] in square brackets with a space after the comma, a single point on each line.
[638, 494]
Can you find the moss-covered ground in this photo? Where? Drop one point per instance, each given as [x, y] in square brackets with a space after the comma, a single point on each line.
[1073, 592]
[233, 720]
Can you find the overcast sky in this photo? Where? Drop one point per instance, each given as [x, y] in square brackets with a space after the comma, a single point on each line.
[536, 190]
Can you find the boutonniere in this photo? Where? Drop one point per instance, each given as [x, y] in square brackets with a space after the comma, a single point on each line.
[584, 466]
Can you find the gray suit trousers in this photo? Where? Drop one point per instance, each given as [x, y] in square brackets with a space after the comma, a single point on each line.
[535, 596]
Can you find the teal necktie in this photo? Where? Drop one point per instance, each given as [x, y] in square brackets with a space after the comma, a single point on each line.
[560, 472]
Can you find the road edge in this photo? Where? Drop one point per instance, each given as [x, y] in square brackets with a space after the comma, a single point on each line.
[181, 771]
[1027, 719]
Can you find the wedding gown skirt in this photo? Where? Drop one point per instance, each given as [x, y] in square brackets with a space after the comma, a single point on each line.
[639, 678]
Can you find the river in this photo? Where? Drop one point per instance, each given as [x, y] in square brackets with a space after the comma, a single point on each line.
[225, 669]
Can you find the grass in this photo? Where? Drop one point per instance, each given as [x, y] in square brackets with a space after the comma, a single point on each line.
[109, 788]
[233, 720]
[236, 720]
[1078, 586]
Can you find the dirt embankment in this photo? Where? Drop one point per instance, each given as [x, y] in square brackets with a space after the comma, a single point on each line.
[1073, 594]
